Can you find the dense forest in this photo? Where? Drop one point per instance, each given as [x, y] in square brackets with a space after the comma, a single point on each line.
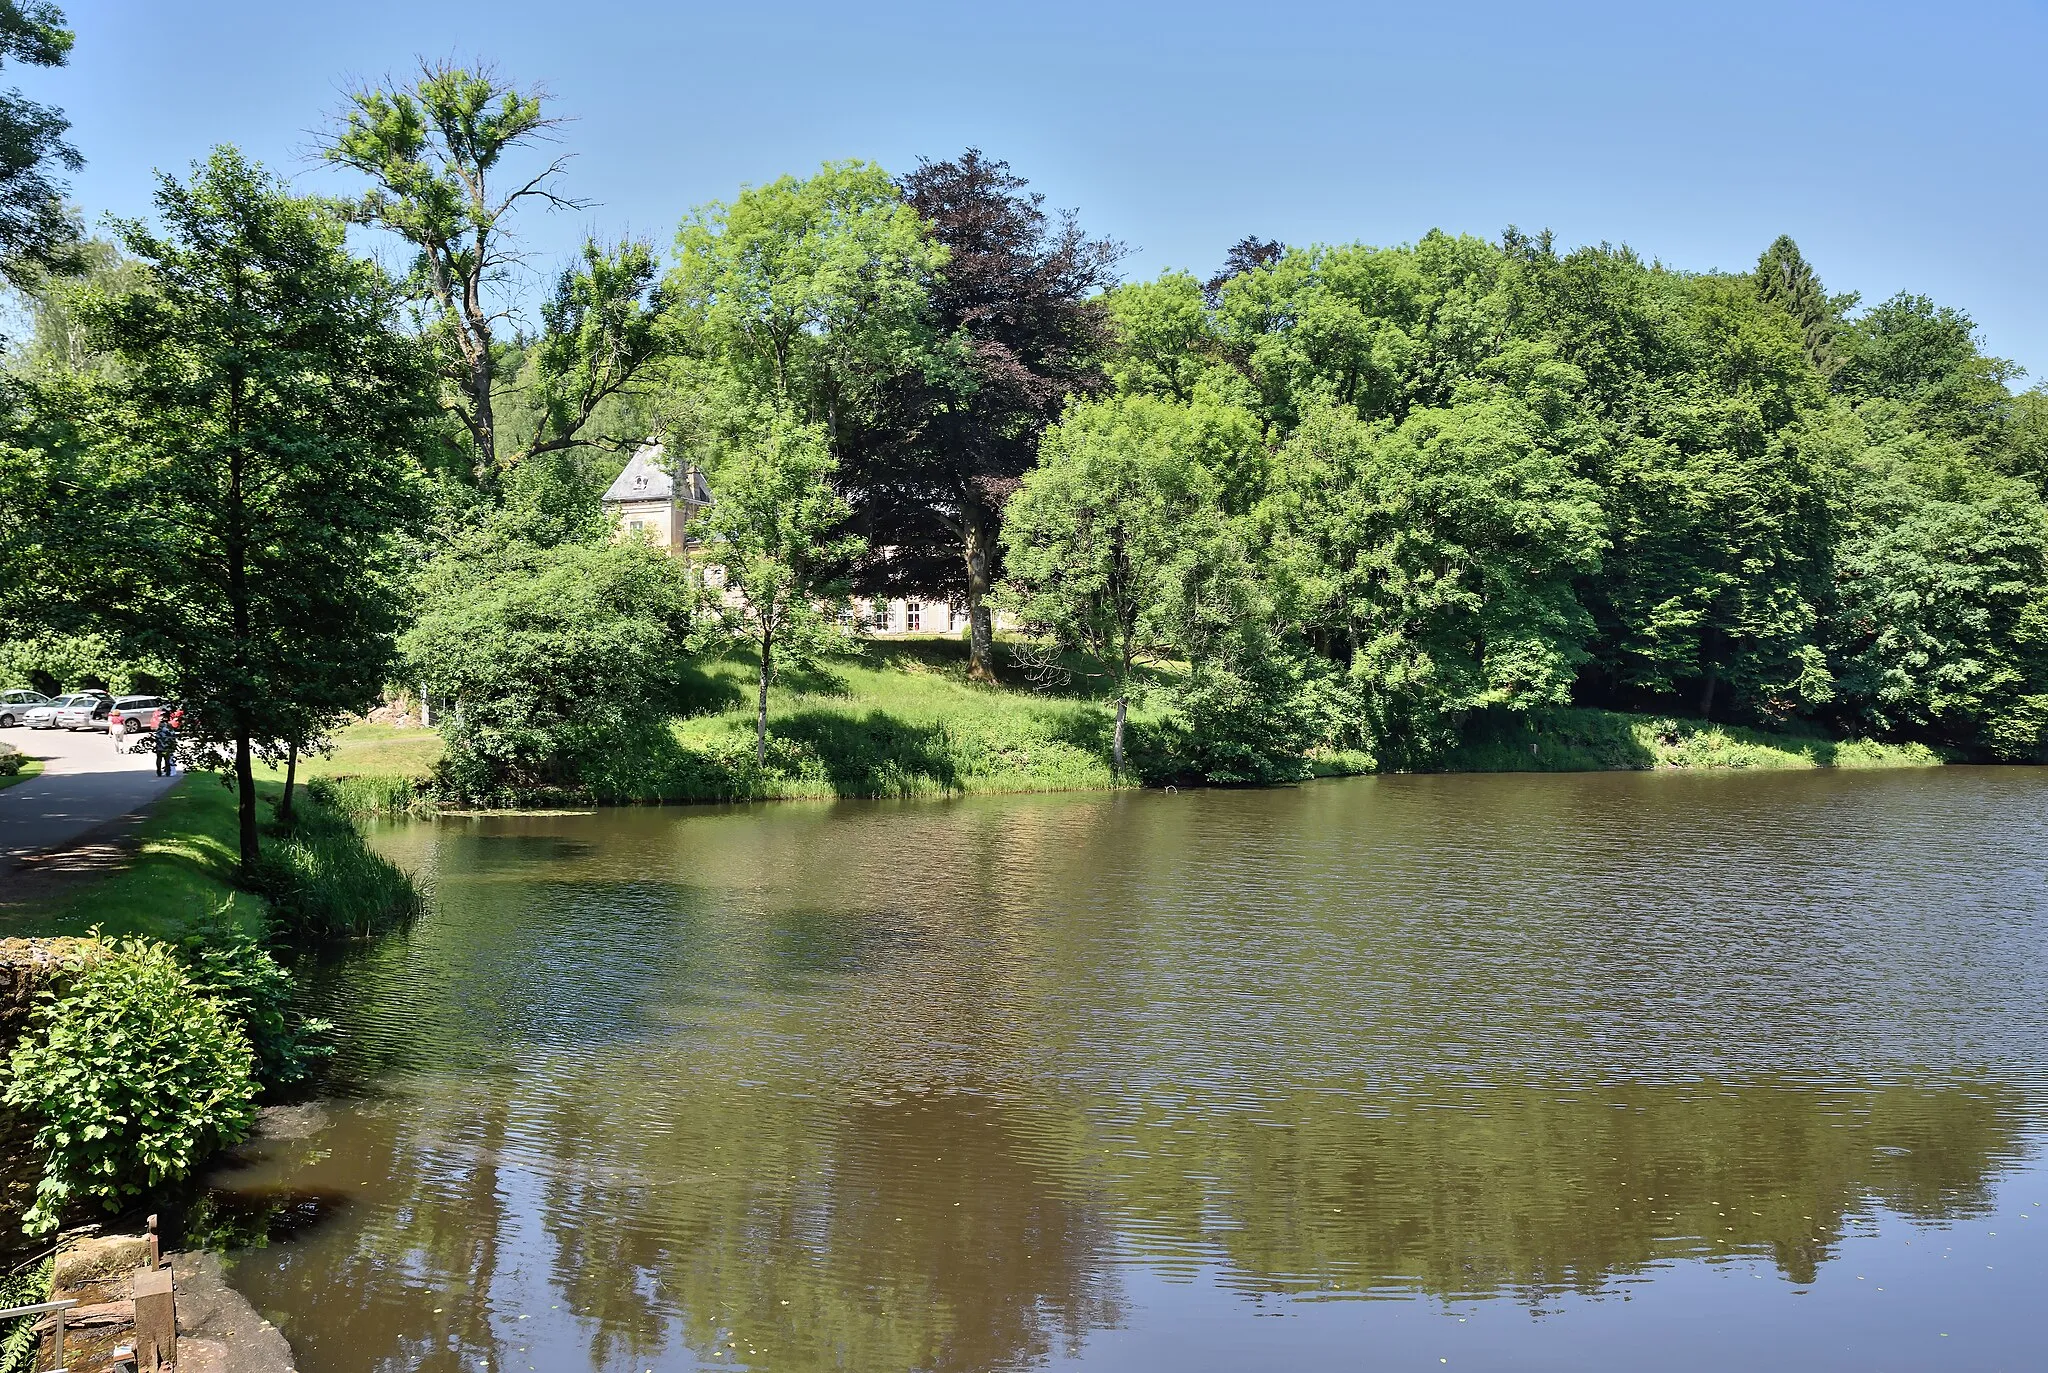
[1329, 497]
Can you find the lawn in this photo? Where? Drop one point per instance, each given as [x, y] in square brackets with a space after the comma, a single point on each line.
[31, 767]
[371, 750]
[901, 719]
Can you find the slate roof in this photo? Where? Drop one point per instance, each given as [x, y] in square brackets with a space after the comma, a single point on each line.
[646, 479]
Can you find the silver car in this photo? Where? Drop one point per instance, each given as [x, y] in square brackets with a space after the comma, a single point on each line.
[88, 710]
[16, 704]
[49, 716]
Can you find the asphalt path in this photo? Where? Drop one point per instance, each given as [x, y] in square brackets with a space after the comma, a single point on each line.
[85, 784]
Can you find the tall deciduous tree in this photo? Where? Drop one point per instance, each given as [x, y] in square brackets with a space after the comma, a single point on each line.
[776, 536]
[1017, 297]
[260, 440]
[37, 236]
[436, 150]
[1115, 545]
[803, 295]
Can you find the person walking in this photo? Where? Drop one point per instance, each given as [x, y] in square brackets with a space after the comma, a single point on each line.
[166, 741]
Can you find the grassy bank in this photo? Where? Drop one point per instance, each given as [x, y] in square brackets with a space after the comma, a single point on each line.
[902, 720]
[319, 881]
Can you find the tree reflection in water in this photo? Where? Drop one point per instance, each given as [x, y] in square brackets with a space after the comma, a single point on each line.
[748, 1088]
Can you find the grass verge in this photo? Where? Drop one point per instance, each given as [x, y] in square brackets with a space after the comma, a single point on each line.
[902, 720]
[29, 767]
[320, 878]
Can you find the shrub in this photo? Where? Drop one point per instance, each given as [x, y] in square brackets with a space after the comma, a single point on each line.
[136, 1077]
[229, 967]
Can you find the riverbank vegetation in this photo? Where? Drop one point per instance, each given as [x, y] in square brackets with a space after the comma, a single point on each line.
[180, 1010]
[1334, 506]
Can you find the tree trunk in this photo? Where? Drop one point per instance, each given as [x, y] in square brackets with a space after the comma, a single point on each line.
[761, 710]
[1707, 692]
[245, 800]
[291, 777]
[1116, 747]
[980, 622]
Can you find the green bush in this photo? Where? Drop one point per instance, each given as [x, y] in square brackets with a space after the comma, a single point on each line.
[229, 967]
[136, 1077]
[11, 763]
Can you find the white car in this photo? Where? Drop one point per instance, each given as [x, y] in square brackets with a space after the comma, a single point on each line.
[15, 705]
[45, 716]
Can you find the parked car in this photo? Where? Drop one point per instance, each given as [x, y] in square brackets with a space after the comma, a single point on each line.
[88, 709]
[44, 716]
[16, 704]
[134, 714]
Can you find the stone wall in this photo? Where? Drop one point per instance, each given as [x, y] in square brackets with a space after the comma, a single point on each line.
[28, 967]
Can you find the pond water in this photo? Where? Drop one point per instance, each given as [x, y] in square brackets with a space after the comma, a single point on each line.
[1598, 1071]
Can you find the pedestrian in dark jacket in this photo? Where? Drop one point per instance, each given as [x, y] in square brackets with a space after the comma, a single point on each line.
[166, 743]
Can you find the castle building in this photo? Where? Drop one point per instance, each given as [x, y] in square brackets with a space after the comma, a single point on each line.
[650, 501]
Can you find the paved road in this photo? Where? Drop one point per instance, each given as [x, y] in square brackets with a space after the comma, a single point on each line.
[85, 784]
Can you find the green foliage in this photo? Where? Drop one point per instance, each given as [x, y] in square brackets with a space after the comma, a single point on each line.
[25, 1286]
[1249, 715]
[776, 539]
[1942, 576]
[1440, 554]
[806, 293]
[1116, 545]
[551, 656]
[432, 151]
[230, 968]
[1909, 349]
[1785, 278]
[135, 1077]
[263, 429]
[37, 235]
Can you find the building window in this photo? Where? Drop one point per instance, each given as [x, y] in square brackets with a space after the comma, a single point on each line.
[913, 614]
[879, 617]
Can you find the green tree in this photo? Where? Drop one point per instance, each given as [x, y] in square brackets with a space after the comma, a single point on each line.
[37, 235]
[1116, 547]
[435, 150]
[1785, 279]
[1940, 625]
[1911, 350]
[1437, 558]
[260, 457]
[552, 658]
[2023, 448]
[805, 294]
[776, 539]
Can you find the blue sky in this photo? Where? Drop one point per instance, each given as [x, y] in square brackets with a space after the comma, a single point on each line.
[1902, 145]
